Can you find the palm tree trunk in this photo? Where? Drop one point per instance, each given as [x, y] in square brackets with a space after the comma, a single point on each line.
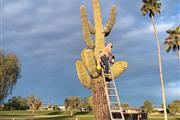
[100, 105]
[179, 54]
[72, 112]
[160, 69]
[33, 108]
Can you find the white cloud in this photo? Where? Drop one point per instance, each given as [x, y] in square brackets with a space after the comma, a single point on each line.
[173, 89]
[161, 27]
[173, 92]
[173, 84]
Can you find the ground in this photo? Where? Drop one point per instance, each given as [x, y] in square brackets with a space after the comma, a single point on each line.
[57, 115]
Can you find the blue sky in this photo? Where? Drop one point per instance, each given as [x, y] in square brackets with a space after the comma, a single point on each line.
[46, 36]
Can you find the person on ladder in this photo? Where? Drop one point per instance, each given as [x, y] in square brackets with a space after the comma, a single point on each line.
[107, 58]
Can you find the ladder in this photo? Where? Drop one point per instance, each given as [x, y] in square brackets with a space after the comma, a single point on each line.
[112, 97]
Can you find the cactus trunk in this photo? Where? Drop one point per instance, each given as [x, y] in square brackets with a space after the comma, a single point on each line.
[101, 111]
[99, 36]
[100, 107]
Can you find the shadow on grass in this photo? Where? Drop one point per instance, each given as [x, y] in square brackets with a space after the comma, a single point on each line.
[81, 113]
[15, 115]
[55, 113]
[55, 118]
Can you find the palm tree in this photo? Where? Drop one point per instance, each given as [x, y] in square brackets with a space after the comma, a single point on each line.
[172, 42]
[152, 7]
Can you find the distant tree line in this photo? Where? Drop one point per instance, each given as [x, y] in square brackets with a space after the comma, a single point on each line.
[19, 103]
[173, 107]
[75, 103]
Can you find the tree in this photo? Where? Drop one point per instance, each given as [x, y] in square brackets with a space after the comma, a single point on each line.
[148, 106]
[73, 103]
[172, 42]
[10, 69]
[34, 103]
[87, 102]
[66, 103]
[50, 106]
[152, 7]
[16, 103]
[56, 107]
[174, 107]
[125, 106]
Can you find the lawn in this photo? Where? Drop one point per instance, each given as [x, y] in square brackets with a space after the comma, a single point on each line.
[43, 115]
[58, 115]
[160, 117]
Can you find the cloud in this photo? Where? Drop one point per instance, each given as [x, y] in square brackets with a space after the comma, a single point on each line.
[161, 27]
[173, 89]
[173, 84]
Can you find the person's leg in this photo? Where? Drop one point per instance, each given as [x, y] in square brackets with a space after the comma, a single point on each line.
[102, 62]
[106, 62]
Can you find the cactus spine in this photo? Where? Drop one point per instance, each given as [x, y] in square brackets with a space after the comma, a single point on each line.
[88, 75]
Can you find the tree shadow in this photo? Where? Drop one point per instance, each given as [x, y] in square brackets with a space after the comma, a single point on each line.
[15, 115]
[54, 113]
[55, 118]
[81, 113]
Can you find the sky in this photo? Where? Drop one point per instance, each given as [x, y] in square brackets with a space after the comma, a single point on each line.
[47, 37]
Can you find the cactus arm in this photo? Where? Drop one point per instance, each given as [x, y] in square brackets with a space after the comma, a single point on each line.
[91, 28]
[88, 60]
[111, 21]
[118, 68]
[99, 36]
[85, 28]
[83, 75]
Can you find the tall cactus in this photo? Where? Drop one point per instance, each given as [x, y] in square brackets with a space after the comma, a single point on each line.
[87, 71]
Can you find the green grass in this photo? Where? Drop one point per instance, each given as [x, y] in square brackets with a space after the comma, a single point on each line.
[43, 115]
[160, 117]
[58, 115]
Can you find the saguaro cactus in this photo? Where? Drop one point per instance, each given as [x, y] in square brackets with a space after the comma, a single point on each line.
[87, 71]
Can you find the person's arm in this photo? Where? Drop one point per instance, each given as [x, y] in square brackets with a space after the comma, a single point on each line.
[110, 53]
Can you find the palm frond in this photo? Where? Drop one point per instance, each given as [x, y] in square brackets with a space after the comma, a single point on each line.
[178, 29]
[172, 42]
[174, 47]
[150, 6]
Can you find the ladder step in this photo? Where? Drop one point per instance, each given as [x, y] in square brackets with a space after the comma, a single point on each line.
[117, 119]
[115, 103]
[115, 111]
[111, 88]
[112, 95]
[110, 83]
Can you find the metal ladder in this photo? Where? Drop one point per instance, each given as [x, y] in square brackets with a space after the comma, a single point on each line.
[112, 97]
